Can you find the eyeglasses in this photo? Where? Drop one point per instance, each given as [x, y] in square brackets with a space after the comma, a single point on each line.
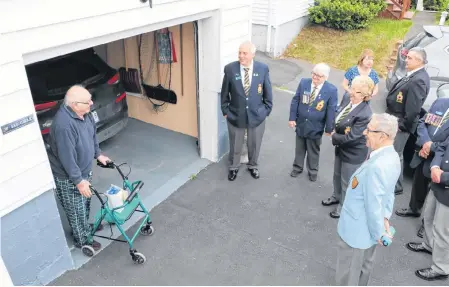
[85, 103]
[316, 75]
[375, 131]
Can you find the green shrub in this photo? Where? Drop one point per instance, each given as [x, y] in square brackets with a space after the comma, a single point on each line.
[345, 14]
[435, 5]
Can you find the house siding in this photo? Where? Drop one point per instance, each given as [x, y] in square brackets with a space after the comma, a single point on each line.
[33, 244]
[289, 10]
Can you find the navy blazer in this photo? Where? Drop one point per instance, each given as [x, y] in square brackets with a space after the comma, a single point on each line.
[311, 121]
[242, 111]
[406, 98]
[348, 139]
[426, 132]
[441, 159]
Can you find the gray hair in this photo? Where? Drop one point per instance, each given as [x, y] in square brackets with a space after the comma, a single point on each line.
[68, 98]
[386, 123]
[322, 69]
[251, 45]
[421, 53]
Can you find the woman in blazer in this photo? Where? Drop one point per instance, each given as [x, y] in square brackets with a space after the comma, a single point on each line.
[350, 143]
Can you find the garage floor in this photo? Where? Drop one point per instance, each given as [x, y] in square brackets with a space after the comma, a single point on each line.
[163, 159]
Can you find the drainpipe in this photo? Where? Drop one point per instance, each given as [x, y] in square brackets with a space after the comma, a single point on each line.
[269, 26]
[443, 18]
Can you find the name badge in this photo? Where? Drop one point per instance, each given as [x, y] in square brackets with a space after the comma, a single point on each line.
[306, 98]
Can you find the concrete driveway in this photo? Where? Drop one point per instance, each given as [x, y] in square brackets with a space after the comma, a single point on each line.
[271, 231]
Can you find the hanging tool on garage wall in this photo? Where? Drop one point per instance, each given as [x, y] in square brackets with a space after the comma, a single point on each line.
[163, 47]
[128, 76]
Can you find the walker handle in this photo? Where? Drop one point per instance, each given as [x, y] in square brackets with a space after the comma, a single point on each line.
[97, 194]
[134, 192]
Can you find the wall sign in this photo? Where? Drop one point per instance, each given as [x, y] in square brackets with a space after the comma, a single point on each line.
[17, 124]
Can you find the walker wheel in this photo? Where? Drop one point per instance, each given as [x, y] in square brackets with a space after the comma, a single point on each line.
[138, 258]
[147, 230]
[88, 250]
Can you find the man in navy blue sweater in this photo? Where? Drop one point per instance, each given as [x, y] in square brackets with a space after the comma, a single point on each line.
[73, 147]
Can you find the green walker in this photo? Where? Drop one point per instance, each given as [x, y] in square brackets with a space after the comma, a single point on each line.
[113, 216]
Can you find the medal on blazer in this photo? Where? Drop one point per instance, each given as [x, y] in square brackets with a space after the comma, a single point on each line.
[354, 182]
[399, 98]
[306, 98]
[320, 105]
[347, 130]
[259, 89]
[238, 77]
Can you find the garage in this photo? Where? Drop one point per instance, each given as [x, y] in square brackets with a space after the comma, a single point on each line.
[145, 94]
[165, 139]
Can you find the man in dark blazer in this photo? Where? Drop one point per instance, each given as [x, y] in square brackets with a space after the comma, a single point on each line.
[348, 138]
[436, 214]
[433, 130]
[312, 111]
[246, 101]
[405, 100]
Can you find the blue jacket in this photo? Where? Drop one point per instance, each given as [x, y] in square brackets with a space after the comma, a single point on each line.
[311, 121]
[242, 111]
[428, 132]
[369, 199]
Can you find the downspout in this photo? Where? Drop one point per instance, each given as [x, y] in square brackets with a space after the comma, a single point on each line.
[270, 6]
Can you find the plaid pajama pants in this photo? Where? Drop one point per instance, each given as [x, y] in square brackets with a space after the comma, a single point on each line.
[76, 207]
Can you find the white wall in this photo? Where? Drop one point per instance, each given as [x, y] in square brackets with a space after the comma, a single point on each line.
[261, 10]
[289, 10]
[24, 168]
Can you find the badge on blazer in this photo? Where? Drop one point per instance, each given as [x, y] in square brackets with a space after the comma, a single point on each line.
[399, 98]
[259, 89]
[347, 130]
[238, 77]
[354, 182]
[320, 105]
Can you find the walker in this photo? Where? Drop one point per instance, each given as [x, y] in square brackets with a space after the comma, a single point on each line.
[112, 216]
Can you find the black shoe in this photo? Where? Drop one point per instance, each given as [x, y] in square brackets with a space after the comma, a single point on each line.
[100, 227]
[407, 212]
[334, 214]
[330, 201]
[295, 173]
[417, 247]
[312, 177]
[421, 232]
[254, 172]
[398, 192]
[430, 275]
[232, 175]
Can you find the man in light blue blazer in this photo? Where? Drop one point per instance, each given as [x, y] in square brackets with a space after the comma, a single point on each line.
[368, 204]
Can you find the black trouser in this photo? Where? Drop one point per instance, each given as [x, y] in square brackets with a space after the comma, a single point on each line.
[420, 189]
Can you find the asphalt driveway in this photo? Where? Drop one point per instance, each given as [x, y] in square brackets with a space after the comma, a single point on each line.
[271, 231]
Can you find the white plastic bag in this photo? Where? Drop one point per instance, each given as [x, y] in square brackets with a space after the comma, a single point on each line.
[116, 197]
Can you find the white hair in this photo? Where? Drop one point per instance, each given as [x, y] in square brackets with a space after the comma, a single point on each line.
[251, 45]
[322, 69]
[68, 99]
[387, 124]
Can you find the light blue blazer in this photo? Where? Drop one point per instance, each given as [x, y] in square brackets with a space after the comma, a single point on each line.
[369, 199]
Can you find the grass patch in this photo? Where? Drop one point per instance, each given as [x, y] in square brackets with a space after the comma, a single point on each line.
[340, 49]
[437, 19]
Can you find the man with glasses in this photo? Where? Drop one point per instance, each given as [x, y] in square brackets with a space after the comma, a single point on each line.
[73, 147]
[312, 112]
[368, 204]
[405, 100]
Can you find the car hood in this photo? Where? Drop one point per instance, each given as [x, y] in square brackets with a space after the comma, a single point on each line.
[436, 31]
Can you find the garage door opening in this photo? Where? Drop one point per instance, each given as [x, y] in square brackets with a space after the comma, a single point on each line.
[157, 135]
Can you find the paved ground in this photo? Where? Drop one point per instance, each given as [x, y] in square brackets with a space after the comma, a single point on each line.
[271, 231]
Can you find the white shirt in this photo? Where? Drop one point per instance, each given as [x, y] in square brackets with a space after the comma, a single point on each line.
[318, 89]
[377, 150]
[352, 108]
[250, 73]
[414, 71]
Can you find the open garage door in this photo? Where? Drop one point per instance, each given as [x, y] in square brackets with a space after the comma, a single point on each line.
[145, 93]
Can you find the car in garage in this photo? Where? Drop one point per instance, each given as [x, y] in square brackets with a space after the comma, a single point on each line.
[439, 88]
[435, 40]
[49, 80]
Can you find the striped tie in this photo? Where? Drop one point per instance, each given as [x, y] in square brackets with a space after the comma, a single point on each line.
[446, 117]
[312, 96]
[246, 85]
[345, 113]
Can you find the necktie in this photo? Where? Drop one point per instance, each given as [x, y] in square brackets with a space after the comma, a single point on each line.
[246, 85]
[312, 96]
[345, 112]
[446, 117]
